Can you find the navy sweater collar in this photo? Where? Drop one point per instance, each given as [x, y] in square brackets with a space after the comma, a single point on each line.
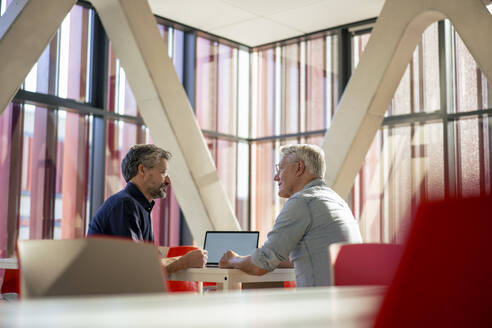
[139, 196]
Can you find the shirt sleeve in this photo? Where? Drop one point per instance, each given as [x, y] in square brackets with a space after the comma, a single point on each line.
[289, 228]
[125, 221]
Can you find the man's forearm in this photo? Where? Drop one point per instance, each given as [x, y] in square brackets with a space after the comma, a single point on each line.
[245, 264]
[173, 264]
[286, 264]
[193, 259]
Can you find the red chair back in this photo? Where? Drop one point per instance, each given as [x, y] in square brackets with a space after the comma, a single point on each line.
[181, 286]
[11, 281]
[174, 251]
[364, 264]
[290, 284]
[445, 275]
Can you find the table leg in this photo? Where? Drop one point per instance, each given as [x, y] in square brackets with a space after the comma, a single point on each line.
[200, 287]
[227, 285]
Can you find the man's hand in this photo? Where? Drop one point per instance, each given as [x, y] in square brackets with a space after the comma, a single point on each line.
[232, 260]
[227, 260]
[195, 259]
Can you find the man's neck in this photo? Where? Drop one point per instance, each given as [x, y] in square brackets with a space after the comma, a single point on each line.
[137, 184]
[305, 182]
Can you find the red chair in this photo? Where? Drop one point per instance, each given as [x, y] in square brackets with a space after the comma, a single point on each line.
[364, 264]
[444, 278]
[11, 281]
[290, 284]
[181, 286]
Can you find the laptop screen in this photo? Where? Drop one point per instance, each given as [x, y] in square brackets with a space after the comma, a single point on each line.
[219, 242]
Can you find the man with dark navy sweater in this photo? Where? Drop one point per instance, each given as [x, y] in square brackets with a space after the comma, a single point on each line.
[127, 213]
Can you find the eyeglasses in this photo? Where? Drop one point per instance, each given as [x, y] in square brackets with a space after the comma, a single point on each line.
[277, 167]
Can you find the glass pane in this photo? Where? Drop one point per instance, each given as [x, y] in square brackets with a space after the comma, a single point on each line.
[227, 90]
[315, 85]
[226, 168]
[11, 170]
[242, 201]
[315, 140]
[472, 88]
[399, 193]
[419, 87]
[429, 80]
[263, 188]
[121, 99]
[434, 166]
[120, 137]
[72, 175]
[332, 87]
[263, 101]
[402, 102]
[367, 200]
[53, 178]
[40, 131]
[470, 161]
[73, 62]
[166, 220]
[42, 77]
[217, 87]
[3, 6]
[359, 43]
[403, 166]
[120, 94]
[243, 94]
[65, 57]
[290, 76]
[205, 84]
[166, 215]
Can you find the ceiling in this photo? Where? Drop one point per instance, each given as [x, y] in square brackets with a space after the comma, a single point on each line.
[257, 22]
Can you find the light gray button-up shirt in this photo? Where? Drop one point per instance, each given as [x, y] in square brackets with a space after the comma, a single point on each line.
[311, 219]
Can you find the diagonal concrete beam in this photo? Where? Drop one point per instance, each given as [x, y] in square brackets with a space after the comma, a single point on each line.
[26, 28]
[164, 106]
[387, 54]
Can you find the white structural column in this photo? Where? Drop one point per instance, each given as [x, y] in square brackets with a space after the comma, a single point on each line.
[26, 28]
[373, 84]
[165, 108]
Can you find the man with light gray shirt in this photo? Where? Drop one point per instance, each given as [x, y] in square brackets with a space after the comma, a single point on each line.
[313, 217]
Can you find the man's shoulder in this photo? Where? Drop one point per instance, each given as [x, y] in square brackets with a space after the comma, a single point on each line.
[121, 198]
[314, 192]
[318, 195]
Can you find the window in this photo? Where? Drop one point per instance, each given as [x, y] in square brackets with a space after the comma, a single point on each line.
[56, 155]
[293, 99]
[221, 108]
[428, 157]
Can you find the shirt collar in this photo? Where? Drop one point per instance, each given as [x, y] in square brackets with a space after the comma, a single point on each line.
[139, 196]
[314, 182]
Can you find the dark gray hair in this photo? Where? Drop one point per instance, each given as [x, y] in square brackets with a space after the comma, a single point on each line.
[147, 155]
[312, 156]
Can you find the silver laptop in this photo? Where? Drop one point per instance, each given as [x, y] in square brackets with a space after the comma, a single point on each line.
[218, 242]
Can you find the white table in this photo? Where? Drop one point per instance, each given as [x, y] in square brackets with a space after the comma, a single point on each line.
[226, 279]
[230, 279]
[8, 263]
[304, 307]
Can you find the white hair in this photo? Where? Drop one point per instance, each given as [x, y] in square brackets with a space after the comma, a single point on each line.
[312, 156]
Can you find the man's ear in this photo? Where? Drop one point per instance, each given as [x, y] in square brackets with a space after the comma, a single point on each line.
[140, 169]
[300, 168]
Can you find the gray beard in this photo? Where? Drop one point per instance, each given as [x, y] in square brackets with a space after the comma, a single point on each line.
[158, 194]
